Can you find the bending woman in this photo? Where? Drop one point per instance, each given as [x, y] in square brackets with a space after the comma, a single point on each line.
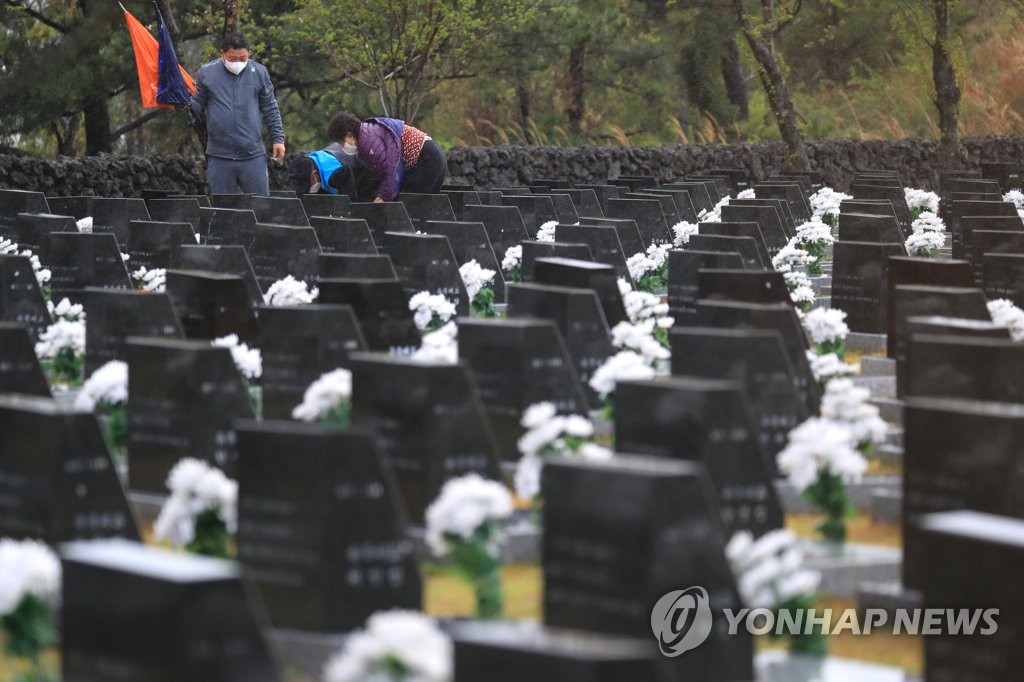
[402, 158]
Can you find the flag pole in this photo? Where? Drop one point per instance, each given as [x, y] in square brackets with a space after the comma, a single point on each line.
[123, 8]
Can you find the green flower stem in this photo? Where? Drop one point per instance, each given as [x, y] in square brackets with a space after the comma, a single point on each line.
[28, 630]
[212, 537]
[515, 274]
[813, 642]
[830, 494]
[338, 417]
[838, 347]
[483, 303]
[479, 567]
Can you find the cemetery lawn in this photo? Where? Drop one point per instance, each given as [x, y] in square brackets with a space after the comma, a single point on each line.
[861, 529]
[445, 594]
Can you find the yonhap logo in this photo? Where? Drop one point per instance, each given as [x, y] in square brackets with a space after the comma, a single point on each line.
[681, 620]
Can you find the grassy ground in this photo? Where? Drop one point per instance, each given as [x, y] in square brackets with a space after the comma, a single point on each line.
[861, 529]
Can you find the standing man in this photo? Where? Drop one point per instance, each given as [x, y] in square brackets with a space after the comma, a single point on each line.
[235, 93]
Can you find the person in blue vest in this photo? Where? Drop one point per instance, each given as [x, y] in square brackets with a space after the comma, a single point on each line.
[322, 172]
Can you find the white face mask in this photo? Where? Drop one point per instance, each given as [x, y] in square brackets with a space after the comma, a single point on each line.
[350, 148]
[314, 188]
[236, 67]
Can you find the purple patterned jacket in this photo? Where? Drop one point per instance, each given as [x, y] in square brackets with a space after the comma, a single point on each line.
[380, 153]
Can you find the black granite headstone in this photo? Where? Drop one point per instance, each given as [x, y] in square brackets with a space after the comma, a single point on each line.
[30, 229]
[766, 217]
[325, 205]
[603, 192]
[868, 207]
[584, 202]
[236, 201]
[791, 194]
[970, 223]
[57, 480]
[514, 364]
[959, 209]
[704, 421]
[993, 241]
[698, 192]
[343, 235]
[176, 210]
[21, 301]
[211, 304]
[684, 206]
[78, 260]
[356, 266]
[668, 205]
[745, 247]
[183, 397]
[280, 211]
[109, 215]
[894, 194]
[649, 217]
[15, 201]
[469, 241]
[781, 207]
[299, 344]
[226, 226]
[133, 613]
[756, 359]
[19, 369]
[732, 229]
[321, 528]
[460, 199]
[504, 225]
[281, 250]
[864, 227]
[535, 210]
[384, 217]
[765, 286]
[621, 534]
[229, 260]
[603, 243]
[682, 278]
[629, 235]
[577, 274]
[1003, 276]
[1006, 173]
[924, 271]
[965, 367]
[426, 263]
[116, 315]
[382, 308]
[860, 283]
[422, 207]
[429, 423]
[150, 244]
[579, 317]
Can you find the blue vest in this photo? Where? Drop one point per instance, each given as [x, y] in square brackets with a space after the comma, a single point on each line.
[326, 163]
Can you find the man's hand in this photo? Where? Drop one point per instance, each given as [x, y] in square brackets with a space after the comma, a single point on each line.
[378, 200]
[278, 153]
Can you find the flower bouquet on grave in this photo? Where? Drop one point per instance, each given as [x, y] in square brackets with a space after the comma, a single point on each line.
[249, 362]
[150, 281]
[61, 348]
[827, 330]
[643, 307]
[328, 400]
[1006, 314]
[43, 275]
[625, 365]
[681, 233]
[549, 434]
[925, 244]
[546, 232]
[1016, 197]
[106, 393]
[819, 460]
[439, 346]
[479, 281]
[649, 269]
[827, 367]
[463, 527]
[825, 205]
[290, 291]
[430, 311]
[920, 202]
[512, 263]
[814, 237]
[769, 575]
[846, 403]
[201, 514]
[29, 588]
[801, 292]
[395, 646]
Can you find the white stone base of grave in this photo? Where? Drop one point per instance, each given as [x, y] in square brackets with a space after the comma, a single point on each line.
[880, 386]
[887, 506]
[866, 343]
[846, 567]
[781, 666]
[301, 655]
[887, 596]
[877, 367]
[890, 409]
[65, 397]
[860, 493]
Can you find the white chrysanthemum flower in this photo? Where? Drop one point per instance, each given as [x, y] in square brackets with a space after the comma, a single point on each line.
[820, 445]
[682, 231]
[826, 367]
[1016, 197]
[439, 346]
[62, 334]
[66, 310]
[747, 194]
[426, 305]
[527, 476]
[330, 390]
[791, 256]
[623, 366]
[624, 286]
[154, 280]
[641, 305]
[928, 222]
[248, 360]
[768, 571]
[1006, 314]
[847, 403]
[85, 224]
[925, 244]
[406, 638]
[537, 414]
[825, 202]
[513, 258]
[464, 505]
[715, 214]
[826, 325]
[28, 568]
[108, 384]
[639, 265]
[814, 232]
[475, 277]
[919, 198]
[195, 488]
[640, 339]
[546, 232]
[290, 291]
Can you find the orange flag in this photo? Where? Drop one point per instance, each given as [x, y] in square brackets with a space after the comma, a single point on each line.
[147, 61]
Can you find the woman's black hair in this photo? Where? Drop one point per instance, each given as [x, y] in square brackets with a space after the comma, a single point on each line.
[341, 124]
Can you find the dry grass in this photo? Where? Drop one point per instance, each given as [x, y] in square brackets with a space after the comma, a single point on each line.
[445, 594]
[860, 528]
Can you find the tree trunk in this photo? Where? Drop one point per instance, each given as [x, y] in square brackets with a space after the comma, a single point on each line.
[66, 128]
[97, 124]
[576, 87]
[735, 84]
[762, 45]
[947, 91]
[834, 62]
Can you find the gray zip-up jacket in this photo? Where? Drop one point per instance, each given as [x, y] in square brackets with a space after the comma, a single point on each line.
[234, 106]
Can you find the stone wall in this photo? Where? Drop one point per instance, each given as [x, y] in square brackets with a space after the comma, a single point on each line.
[836, 160]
